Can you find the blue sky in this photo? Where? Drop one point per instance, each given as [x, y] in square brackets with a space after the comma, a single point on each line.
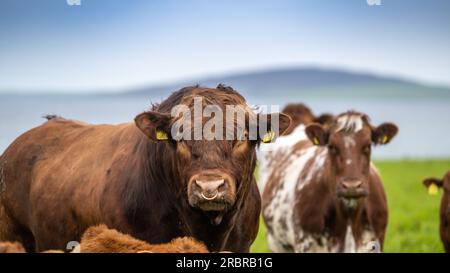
[113, 45]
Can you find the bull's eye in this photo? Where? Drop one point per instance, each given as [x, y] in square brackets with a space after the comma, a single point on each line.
[195, 155]
[333, 150]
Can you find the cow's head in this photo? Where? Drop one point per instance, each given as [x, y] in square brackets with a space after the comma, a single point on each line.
[213, 173]
[432, 184]
[349, 142]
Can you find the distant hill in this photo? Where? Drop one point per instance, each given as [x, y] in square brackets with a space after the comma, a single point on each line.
[307, 82]
[286, 84]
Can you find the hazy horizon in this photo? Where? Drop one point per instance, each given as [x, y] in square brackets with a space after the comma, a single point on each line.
[196, 79]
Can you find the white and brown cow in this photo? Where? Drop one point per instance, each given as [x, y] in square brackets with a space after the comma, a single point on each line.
[321, 193]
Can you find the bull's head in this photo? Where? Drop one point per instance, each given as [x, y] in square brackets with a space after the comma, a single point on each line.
[212, 172]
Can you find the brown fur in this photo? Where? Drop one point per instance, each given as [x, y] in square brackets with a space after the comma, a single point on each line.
[11, 247]
[65, 176]
[302, 114]
[444, 212]
[100, 239]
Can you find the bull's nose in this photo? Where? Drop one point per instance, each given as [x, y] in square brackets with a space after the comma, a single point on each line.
[209, 190]
[351, 184]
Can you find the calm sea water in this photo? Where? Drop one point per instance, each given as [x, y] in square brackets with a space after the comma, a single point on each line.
[424, 123]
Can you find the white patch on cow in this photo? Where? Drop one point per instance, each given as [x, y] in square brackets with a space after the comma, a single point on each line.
[349, 244]
[281, 205]
[348, 162]
[307, 243]
[274, 245]
[282, 144]
[349, 142]
[280, 210]
[350, 123]
[314, 170]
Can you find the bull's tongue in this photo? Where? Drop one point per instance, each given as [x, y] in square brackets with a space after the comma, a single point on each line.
[216, 219]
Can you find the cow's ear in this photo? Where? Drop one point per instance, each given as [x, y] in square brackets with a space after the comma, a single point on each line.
[276, 125]
[324, 119]
[317, 134]
[384, 133]
[432, 184]
[154, 125]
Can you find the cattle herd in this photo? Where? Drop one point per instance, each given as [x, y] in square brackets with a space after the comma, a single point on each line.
[137, 188]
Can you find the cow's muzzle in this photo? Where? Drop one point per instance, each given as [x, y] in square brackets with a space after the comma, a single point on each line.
[351, 189]
[211, 191]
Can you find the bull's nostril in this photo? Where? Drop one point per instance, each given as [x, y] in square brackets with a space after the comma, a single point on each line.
[351, 184]
[210, 186]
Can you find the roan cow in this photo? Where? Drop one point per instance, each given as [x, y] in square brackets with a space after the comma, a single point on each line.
[321, 191]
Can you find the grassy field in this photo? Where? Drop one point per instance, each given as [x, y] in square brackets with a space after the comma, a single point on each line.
[413, 214]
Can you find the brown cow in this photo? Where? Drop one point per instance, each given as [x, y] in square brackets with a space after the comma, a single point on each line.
[326, 197]
[301, 114]
[443, 183]
[64, 176]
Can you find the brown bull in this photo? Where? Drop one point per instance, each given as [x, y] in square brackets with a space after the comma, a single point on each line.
[64, 176]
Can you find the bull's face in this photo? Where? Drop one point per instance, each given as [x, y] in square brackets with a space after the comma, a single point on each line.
[212, 172]
[349, 142]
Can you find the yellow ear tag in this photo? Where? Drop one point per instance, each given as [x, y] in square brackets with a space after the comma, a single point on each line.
[316, 141]
[433, 189]
[160, 135]
[385, 139]
[268, 137]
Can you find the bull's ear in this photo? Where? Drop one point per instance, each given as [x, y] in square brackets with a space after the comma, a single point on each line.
[276, 125]
[432, 184]
[154, 125]
[317, 134]
[384, 133]
[284, 123]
